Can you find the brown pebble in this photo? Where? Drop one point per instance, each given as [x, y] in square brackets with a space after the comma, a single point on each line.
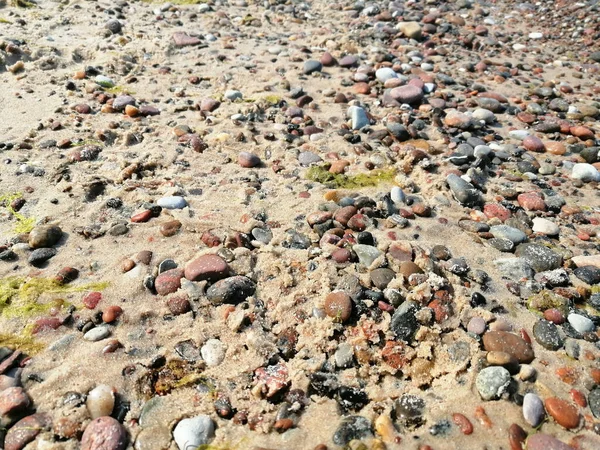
[463, 423]
[13, 400]
[112, 346]
[144, 216]
[282, 425]
[111, 313]
[170, 228]
[516, 437]
[248, 160]
[127, 265]
[178, 305]
[67, 428]
[145, 256]
[503, 341]
[338, 305]
[563, 412]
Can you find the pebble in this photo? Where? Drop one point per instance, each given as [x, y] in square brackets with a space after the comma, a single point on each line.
[44, 236]
[585, 172]
[404, 323]
[385, 73]
[594, 402]
[588, 274]
[194, 432]
[344, 355]
[213, 352]
[172, 202]
[248, 160]
[232, 290]
[41, 255]
[207, 267]
[170, 228]
[25, 431]
[463, 191]
[540, 257]
[100, 401]
[168, 282]
[477, 325]
[512, 234]
[503, 341]
[311, 66]
[358, 116]
[492, 382]
[541, 441]
[546, 334]
[366, 254]
[580, 323]
[97, 333]
[13, 401]
[533, 409]
[351, 428]
[545, 226]
[104, 433]
[407, 94]
[338, 306]
[564, 413]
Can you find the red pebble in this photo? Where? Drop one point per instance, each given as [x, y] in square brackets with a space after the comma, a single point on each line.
[46, 323]
[144, 216]
[578, 397]
[463, 423]
[92, 299]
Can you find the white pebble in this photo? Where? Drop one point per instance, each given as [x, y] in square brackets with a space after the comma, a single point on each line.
[100, 401]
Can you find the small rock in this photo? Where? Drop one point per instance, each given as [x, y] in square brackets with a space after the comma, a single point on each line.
[104, 433]
[100, 401]
[207, 267]
[545, 226]
[213, 352]
[463, 191]
[194, 432]
[311, 66]
[338, 305]
[585, 172]
[580, 323]
[168, 282]
[533, 409]
[97, 334]
[25, 431]
[248, 160]
[41, 255]
[546, 334]
[565, 414]
[492, 382]
[231, 290]
[172, 202]
[44, 236]
[351, 428]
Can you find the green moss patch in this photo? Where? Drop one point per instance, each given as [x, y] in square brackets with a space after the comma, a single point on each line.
[322, 175]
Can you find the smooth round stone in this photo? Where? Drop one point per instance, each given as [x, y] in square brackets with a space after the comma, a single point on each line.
[545, 226]
[546, 334]
[367, 254]
[104, 433]
[564, 413]
[206, 267]
[233, 95]
[527, 372]
[311, 66]
[484, 115]
[168, 282]
[194, 432]
[503, 245]
[104, 81]
[477, 325]
[100, 401]
[172, 202]
[122, 101]
[231, 290]
[585, 172]
[25, 431]
[44, 236]
[97, 334]
[536, 35]
[463, 191]
[262, 235]
[385, 73]
[481, 151]
[492, 382]
[338, 305]
[397, 195]
[533, 409]
[407, 94]
[580, 323]
[344, 355]
[518, 134]
[381, 277]
[248, 160]
[113, 25]
[503, 341]
[514, 235]
[213, 352]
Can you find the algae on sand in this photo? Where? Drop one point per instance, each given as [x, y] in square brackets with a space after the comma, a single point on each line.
[332, 180]
[19, 295]
[24, 224]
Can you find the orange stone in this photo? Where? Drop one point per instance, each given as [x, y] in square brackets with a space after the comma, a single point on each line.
[563, 412]
[555, 148]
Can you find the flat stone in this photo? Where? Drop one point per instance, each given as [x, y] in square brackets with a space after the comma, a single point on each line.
[311, 66]
[407, 94]
[206, 267]
[182, 39]
[367, 254]
[492, 382]
[589, 260]
[585, 172]
[503, 341]
[13, 401]
[41, 255]
[515, 269]
[546, 334]
[168, 282]
[25, 431]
